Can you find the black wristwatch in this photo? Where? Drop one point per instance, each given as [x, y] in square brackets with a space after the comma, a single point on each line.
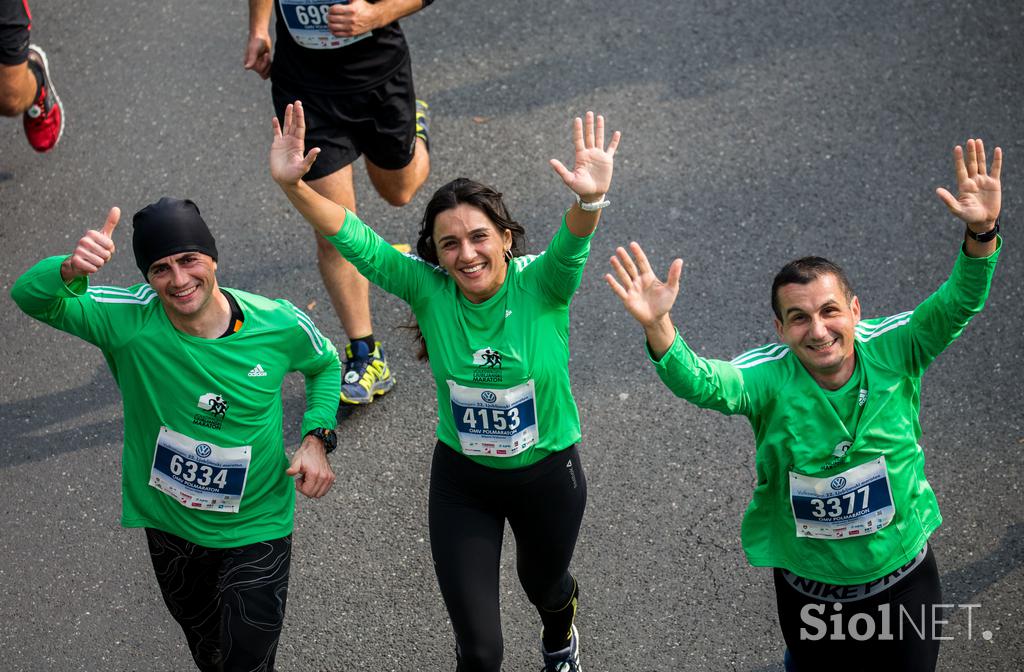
[984, 237]
[327, 436]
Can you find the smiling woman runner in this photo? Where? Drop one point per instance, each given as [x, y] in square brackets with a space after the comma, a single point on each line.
[496, 325]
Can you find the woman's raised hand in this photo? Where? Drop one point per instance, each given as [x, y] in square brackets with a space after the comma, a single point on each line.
[287, 162]
[591, 175]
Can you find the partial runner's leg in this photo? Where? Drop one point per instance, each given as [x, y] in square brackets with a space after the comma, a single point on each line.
[397, 154]
[349, 291]
[188, 575]
[254, 591]
[465, 541]
[18, 85]
[397, 187]
[26, 87]
[546, 525]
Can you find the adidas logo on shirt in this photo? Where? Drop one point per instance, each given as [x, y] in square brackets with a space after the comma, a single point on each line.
[257, 371]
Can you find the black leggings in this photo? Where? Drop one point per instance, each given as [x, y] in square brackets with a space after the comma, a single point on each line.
[469, 504]
[229, 601]
[911, 617]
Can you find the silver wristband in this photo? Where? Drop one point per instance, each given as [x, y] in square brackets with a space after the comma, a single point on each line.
[592, 207]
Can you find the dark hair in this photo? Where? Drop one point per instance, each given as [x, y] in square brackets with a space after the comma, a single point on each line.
[457, 192]
[804, 271]
[465, 191]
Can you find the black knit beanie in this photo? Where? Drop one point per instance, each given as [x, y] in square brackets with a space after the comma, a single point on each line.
[169, 226]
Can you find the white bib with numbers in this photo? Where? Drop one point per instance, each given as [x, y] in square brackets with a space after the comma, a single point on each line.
[492, 421]
[855, 502]
[197, 474]
[307, 23]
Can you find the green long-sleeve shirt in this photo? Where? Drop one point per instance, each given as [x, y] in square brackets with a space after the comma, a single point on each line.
[806, 435]
[502, 366]
[186, 398]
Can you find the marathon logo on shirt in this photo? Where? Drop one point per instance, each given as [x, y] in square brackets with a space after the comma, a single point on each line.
[215, 409]
[838, 455]
[488, 366]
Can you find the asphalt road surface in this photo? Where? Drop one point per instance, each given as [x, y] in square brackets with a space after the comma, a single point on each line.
[753, 133]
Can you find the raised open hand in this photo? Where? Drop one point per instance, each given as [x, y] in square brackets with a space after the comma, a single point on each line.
[287, 162]
[592, 173]
[647, 298]
[979, 196]
[93, 251]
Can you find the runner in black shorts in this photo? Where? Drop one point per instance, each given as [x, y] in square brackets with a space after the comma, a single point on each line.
[349, 64]
[25, 85]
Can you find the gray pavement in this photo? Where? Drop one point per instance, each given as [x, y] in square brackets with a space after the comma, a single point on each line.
[754, 132]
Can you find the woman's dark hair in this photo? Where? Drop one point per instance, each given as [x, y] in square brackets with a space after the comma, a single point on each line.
[465, 191]
[457, 192]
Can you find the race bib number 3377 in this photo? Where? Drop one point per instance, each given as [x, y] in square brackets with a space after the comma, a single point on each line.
[199, 475]
[855, 502]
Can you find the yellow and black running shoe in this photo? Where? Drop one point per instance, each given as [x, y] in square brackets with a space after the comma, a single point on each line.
[423, 122]
[365, 375]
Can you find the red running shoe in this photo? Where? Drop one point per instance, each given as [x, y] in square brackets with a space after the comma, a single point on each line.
[44, 120]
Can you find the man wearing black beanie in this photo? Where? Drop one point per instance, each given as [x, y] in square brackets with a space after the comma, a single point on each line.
[204, 470]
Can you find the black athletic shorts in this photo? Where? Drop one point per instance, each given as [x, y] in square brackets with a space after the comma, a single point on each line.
[15, 22]
[379, 122]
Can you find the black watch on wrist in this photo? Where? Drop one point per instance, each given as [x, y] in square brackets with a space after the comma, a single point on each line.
[327, 436]
[984, 237]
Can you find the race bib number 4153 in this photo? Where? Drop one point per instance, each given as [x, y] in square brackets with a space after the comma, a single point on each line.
[199, 475]
[493, 421]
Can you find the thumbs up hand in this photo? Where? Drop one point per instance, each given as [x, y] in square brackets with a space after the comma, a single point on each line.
[94, 249]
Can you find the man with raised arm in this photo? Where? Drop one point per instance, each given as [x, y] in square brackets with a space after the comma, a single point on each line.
[204, 469]
[349, 64]
[841, 510]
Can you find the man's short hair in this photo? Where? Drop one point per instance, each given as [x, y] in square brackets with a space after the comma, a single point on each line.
[805, 270]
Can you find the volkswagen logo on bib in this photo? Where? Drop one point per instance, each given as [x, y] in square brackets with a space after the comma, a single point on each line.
[838, 483]
[203, 450]
[488, 396]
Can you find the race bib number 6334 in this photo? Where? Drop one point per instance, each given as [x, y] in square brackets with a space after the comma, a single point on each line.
[197, 474]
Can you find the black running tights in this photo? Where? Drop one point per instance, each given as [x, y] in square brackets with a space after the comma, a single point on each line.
[229, 601]
[469, 504]
[897, 629]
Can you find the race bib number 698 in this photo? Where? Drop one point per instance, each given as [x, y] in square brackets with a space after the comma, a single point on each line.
[306, 21]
